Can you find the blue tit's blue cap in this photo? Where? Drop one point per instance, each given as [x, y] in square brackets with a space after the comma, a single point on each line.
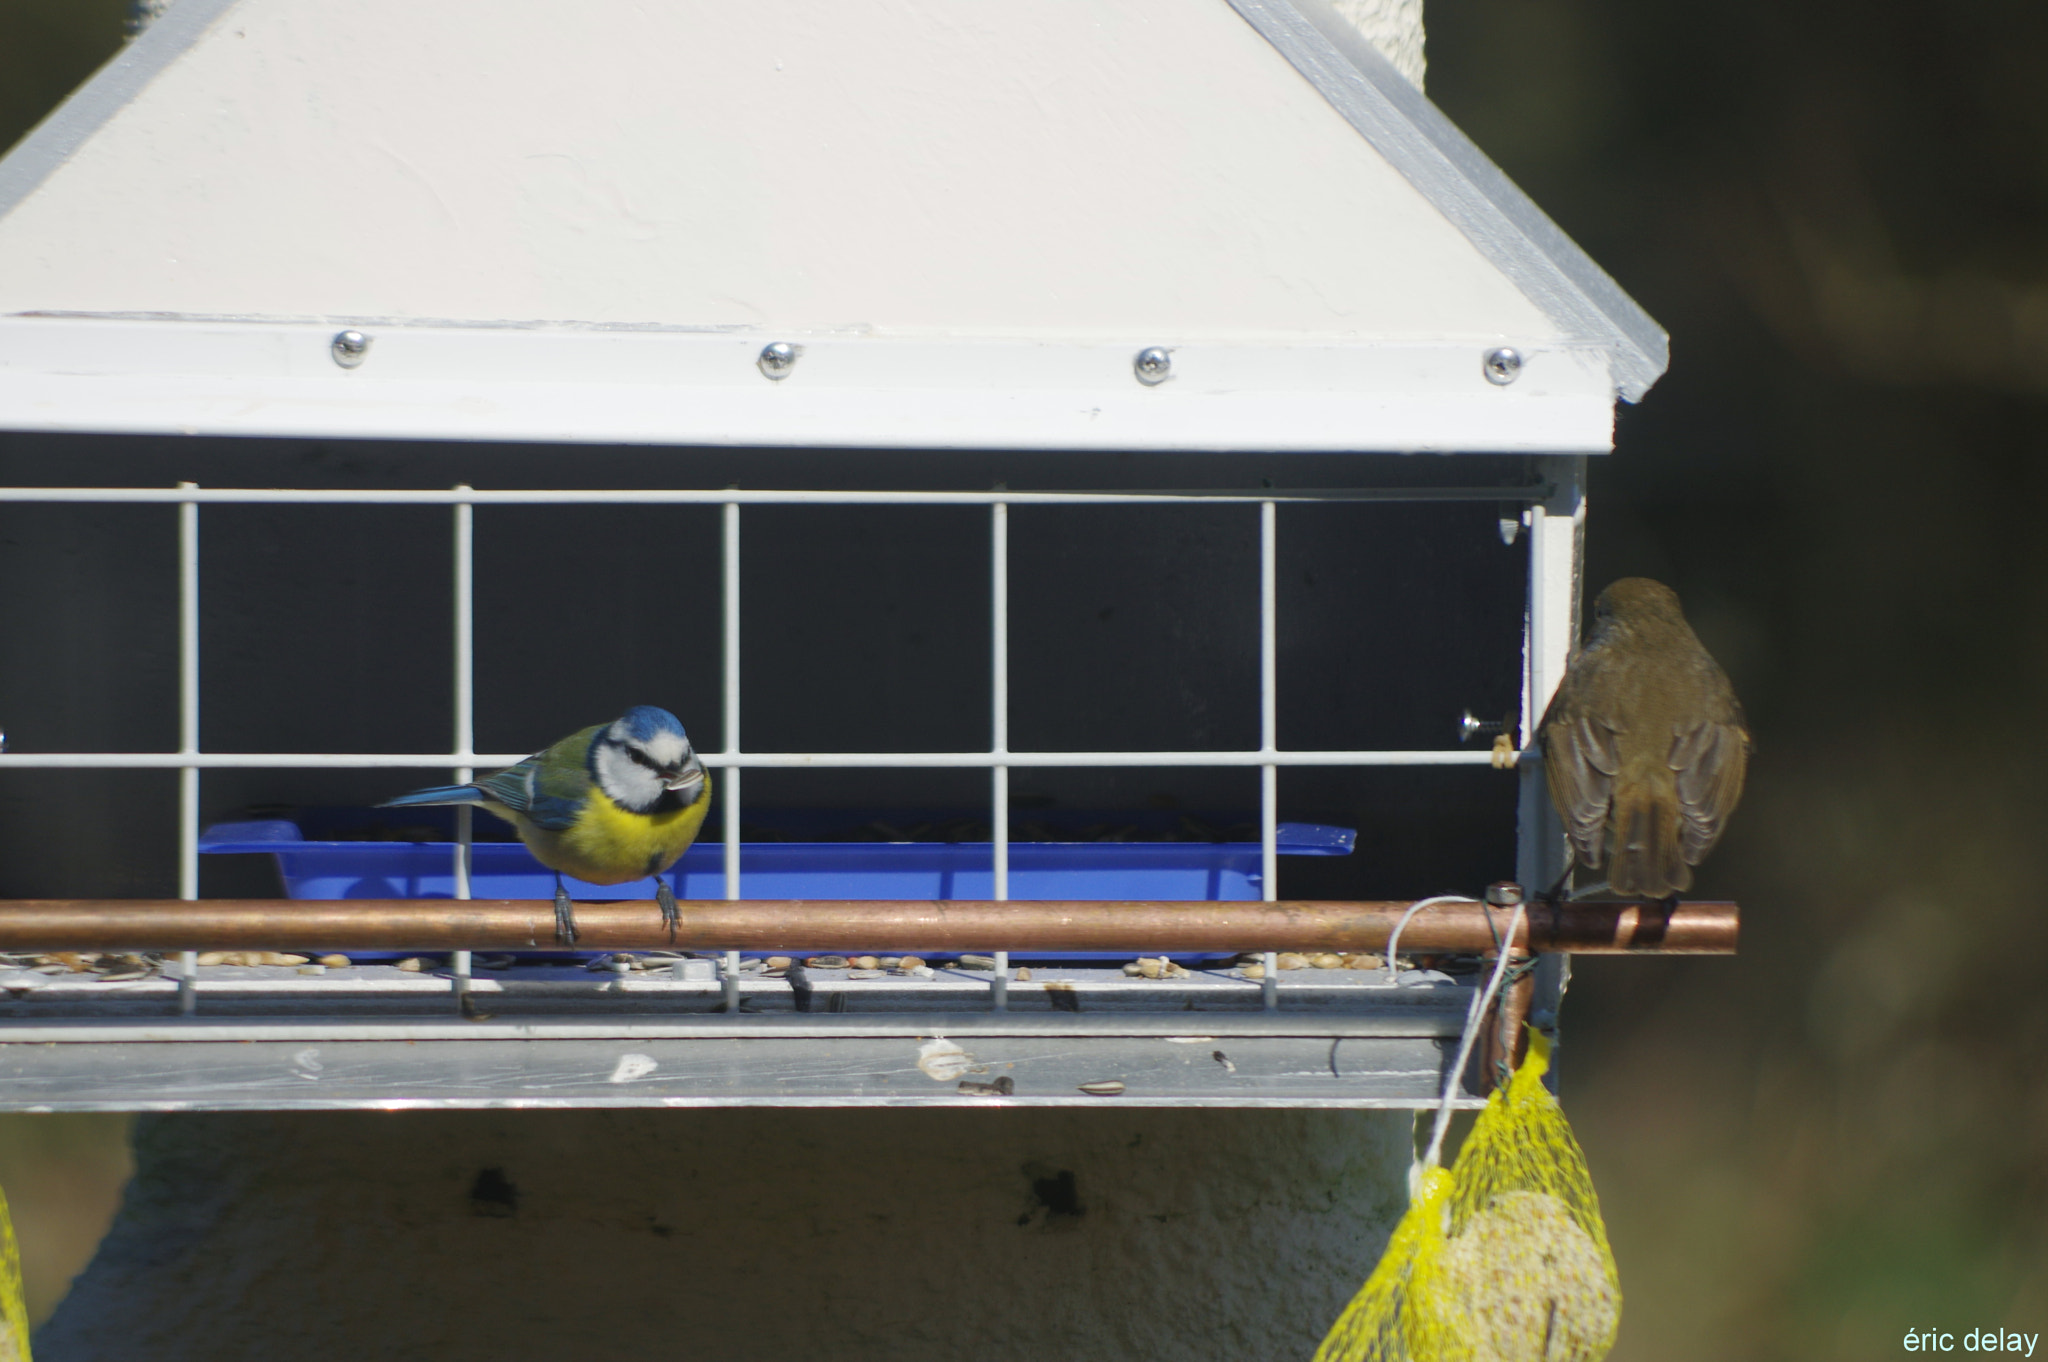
[644, 723]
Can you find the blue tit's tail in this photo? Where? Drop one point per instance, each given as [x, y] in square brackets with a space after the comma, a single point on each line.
[439, 794]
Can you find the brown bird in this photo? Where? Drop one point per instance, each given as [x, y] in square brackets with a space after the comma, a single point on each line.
[1644, 744]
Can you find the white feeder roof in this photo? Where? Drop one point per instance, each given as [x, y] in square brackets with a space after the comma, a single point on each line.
[584, 222]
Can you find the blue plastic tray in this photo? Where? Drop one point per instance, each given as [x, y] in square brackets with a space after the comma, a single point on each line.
[357, 869]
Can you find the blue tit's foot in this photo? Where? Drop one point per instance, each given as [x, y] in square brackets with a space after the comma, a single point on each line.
[671, 916]
[565, 917]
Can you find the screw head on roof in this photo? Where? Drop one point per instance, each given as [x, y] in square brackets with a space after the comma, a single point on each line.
[1503, 366]
[777, 359]
[1504, 893]
[1153, 366]
[349, 348]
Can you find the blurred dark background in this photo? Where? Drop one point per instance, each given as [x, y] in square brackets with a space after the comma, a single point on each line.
[1838, 211]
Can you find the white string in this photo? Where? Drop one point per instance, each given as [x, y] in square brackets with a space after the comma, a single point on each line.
[1479, 1006]
[1394, 940]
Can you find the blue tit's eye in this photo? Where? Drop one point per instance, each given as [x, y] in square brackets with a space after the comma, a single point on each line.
[642, 758]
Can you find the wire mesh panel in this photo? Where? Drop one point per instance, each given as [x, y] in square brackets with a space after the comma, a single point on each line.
[1114, 995]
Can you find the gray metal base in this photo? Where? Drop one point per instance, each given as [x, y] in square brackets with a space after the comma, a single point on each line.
[376, 1037]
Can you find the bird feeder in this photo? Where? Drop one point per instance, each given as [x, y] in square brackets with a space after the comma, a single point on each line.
[1136, 232]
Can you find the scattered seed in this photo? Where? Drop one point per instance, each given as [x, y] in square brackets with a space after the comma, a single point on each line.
[312, 969]
[1108, 1087]
[1363, 962]
[910, 964]
[1290, 960]
[977, 962]
[343, 962]
[827, 962]
[1326, 960]
[1024, 974]
[864, 962]
[1252, 971]
[1002, 1087]
[412, 964]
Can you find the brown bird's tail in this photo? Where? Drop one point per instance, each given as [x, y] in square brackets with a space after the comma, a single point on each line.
[1646, 861]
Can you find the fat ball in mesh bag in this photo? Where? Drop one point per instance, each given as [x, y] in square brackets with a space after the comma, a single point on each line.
[1501, 1258]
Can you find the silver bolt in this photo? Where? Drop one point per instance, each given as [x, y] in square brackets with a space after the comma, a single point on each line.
[1503, 893]
[1153, 366]
[777, 359]
[349, 348]
[1503, 366]
[1471, 726]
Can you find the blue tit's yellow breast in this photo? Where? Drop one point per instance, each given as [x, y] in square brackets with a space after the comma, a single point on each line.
[610, 845]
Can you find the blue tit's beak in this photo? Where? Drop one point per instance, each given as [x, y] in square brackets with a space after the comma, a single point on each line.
[686, 779]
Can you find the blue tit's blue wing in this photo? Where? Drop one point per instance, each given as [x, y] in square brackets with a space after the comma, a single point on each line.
[439, 794]
[549, 787]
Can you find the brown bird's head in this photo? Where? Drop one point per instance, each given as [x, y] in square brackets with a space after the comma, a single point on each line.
[1633, 602]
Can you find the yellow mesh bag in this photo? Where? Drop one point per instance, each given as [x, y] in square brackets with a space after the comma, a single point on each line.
[1501, 1259]
[13, 1312]
[1382, 1324]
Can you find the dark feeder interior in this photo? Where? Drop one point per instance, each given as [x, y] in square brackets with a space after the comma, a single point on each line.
[328, 628]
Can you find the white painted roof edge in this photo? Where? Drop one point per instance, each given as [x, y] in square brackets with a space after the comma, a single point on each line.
[71, 124]
[670, 387]
[1469, 189]
[1358, 82]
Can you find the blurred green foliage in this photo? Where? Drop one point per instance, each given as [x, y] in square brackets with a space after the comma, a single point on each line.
[46, 48]
[1838, 211]
[62, 1173]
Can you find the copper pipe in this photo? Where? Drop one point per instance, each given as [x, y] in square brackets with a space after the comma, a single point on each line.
[1506, 1039]
[840, 925]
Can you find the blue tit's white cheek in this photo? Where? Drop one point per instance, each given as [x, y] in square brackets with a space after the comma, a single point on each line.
[629, 784]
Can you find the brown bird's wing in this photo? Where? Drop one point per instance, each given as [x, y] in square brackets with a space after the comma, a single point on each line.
[1579, 762]
[1709, 761]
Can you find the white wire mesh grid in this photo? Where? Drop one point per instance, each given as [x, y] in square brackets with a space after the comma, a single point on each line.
[463, 760]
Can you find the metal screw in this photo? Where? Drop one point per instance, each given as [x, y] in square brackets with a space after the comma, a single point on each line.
[1470, 727]
[349, 348]
[1503, 366]
[1153, 366]
[1503, 893]
[1513, 521]
[777, 359]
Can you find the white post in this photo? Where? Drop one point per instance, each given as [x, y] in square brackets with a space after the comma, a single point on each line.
[1269, 735]
[465, 716]
[188, 735]
[730, 776]
[999, 729]
[1557, 538]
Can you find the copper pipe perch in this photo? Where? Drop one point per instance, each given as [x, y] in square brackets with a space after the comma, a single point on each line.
[856, 924]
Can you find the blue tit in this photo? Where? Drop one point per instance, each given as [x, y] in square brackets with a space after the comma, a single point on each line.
[612, 803]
